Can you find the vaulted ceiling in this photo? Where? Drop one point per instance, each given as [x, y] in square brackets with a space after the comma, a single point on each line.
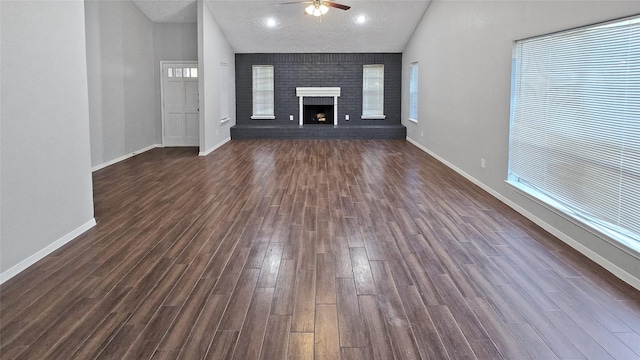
[266, 26]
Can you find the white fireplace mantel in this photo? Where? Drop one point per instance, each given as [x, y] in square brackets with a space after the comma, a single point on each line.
[318, 91]
[302, 92]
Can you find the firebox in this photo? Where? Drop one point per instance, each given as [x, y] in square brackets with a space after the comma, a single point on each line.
[318, 114]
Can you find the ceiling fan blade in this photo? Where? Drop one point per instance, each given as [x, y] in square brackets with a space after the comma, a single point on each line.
[295, 2]
[336, 5]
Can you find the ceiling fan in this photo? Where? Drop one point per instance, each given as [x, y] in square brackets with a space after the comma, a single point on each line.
[319, 7]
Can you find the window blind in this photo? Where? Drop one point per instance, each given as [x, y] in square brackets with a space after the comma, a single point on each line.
[413, 92]
[263, 91]
[575, 122]
[373, 91]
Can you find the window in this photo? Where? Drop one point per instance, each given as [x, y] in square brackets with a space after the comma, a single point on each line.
[224, 92]
[575, 125]
[263, 92]
[413, 92]
[182, 72]
[373, 92]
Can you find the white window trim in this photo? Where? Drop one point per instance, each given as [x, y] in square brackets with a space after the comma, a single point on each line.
[373, 117]
[411, 67]
[380, 116]
[224, 93]
[622, 242]
[263, 116]
[624, 239]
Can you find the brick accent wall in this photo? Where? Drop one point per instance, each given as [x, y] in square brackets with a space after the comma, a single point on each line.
[324, 70]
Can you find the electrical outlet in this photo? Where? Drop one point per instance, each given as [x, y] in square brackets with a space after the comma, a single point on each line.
[291, 117]
[482, 163]
[217, 132]
[346, 117]
[422, 133]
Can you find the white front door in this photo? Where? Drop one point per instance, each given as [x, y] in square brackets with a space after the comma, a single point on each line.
[180, 110]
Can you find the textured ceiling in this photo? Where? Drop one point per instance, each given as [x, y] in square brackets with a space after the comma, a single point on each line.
[388, 24]
[169, 11]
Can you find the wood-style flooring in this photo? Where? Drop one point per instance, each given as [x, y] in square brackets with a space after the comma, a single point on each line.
[314, 249]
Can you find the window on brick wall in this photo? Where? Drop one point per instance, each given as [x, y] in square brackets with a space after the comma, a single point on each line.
[373, 92]
[263, 92]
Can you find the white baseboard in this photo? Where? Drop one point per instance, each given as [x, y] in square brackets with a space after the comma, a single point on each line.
[595, 257]
[205, 153]
[22, 265]
[124, 157]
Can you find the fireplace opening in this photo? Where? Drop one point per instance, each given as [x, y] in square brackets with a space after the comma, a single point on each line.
[318, 114]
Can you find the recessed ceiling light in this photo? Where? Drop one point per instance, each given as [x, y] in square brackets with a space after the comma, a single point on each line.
[361, 19]
[271, 22]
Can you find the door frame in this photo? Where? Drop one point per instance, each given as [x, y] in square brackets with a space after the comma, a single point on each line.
[162, 75]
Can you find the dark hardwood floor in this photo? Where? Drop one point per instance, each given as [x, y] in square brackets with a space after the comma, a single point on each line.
[311, 249]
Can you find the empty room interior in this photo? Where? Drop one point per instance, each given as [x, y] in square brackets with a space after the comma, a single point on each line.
[349, 179]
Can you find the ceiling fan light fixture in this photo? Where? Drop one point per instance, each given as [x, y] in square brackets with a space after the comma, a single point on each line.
[317, 10]
[309, 9]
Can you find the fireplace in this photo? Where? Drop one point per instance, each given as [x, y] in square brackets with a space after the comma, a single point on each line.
[318, 105]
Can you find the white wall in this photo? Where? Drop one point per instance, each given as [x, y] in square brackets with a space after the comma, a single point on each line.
[213, 48]
[1, 271]
[121, 79]
[46, 190]
[171, 42]
[464, 54]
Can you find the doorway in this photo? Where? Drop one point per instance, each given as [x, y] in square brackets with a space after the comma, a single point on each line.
[180, 104]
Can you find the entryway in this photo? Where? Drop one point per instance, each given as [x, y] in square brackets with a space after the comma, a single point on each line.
[180, 104]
